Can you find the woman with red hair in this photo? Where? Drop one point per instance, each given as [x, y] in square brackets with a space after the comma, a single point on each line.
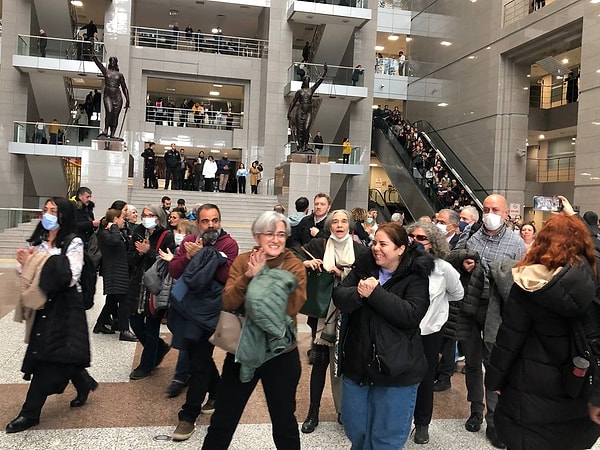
[531, 361]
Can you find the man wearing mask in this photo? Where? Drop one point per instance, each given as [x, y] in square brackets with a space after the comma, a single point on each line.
[468, 224]
[447, 221]
[493, 242]
[187, 335]
[173, 163]
[86, 223]
[311, 226]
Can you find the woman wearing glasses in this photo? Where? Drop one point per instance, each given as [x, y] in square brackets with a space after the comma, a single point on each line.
[386, 295]
[336, 255]
[444, 287]
[175, 217]
[267, 282]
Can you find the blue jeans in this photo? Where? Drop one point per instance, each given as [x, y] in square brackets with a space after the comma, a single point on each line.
[182, 368]
[377, 417]
[147, 330]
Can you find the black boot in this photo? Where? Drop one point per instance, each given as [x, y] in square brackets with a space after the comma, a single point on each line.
[312, 420]
[82, 396]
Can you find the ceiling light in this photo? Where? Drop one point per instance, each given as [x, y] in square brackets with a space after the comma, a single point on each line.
[215, 151]
[173, 12]
[214, 93]
[218, 85]
[595, 123]
[488, 48]
[542, 136]
[594, 178]
[471, 57]
[573, 139]
[585, 174]
[565, 60]
[373, 165]
[558, 77]
[595, 1]
[525, 88]
[78, 3]
[393, 37]
[170, 89]
[408, 39]
[528, 75]
[446, 43]
[379, 48]
[442, 104]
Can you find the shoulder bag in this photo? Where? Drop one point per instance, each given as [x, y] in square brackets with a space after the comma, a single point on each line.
[228, 331]
[319, 288]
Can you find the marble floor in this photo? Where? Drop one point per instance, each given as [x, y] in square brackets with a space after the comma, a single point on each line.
[124, 414]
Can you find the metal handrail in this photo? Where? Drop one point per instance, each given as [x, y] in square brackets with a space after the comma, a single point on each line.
[553, 169]
[199, 42]
[330, 153]
[351, 3]
[341, 75]
[81, 135]
[74, 49]
[169, 116]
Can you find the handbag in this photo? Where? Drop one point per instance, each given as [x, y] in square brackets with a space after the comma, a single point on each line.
[228, 331]
[319, 288]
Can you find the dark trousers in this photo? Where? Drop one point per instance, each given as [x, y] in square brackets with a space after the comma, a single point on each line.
[150, 180]
[446, 365]
[171, 174]
[204, 377]
[424, 405]
[115, 306]
[254, 188]
[48, 379]
[477, 351]
[242, 185]
[279, 377]
[209, 184]
[147, 330]
[319, 357]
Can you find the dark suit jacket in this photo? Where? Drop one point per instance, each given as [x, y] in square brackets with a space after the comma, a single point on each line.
[301, 232]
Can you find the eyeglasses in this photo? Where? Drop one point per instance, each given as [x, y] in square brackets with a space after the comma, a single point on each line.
[418, 237]
[207, 221]
[144, 216]
[279, 235]
[173, 217]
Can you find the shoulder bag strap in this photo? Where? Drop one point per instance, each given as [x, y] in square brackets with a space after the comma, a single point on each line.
[307, 252]
[160, 239]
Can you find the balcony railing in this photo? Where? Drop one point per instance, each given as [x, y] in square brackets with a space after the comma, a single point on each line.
[352, 3]
[396, 4]
[184, 117]
[553, 95]
[58, 48]
[547, 170]
[341, 75]
[28, 132]
[12, 217]
[514, 10]
[199, 42]
[330, 153]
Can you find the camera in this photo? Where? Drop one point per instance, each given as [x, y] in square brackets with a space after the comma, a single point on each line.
[541, 203]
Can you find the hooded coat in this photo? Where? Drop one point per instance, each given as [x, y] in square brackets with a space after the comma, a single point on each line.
[531, 356]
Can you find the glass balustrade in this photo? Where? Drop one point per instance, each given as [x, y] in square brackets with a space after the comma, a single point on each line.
[58, 48]
[12, 217]
[33, 132]
[330, 153]
[352, 3]
[346, 76]
[185, 117]
[199, 42]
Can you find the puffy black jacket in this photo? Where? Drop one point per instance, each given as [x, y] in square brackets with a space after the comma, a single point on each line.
[115, 269]
[529, 361]
[382, 346]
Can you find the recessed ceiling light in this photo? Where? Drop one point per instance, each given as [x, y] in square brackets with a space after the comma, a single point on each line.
[214, 93]
[595, 1]
[442, 104]
[446, 43]
[408, 39]
[393, 37]
[77, 3]
[471, 57]
[525, 88]
[585, 174]
[218, 85]
[528, 76]
[373, 165]
[542, 136]
[565, 60]
[170, 89]
[488, 48]
[595, 123]
[379, 48]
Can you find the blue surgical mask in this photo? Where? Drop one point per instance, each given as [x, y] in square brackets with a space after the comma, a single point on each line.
[49, 222]
[462, 225]
[369, 220]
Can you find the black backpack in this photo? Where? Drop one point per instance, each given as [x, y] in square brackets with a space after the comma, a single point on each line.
[93, 251]
[89, 275]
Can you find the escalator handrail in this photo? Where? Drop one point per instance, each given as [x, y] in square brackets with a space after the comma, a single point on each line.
[402, 153]
[385, 211]
[471, 185]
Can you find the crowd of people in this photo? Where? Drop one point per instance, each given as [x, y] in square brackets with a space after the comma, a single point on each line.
[190, 113]
[401, 298]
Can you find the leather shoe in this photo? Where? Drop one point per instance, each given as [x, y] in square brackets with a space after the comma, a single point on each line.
[440, 386]
[82, 396]
[175, 388]
[21, 423]
[490, 434]
[473, 423]
[102, 328]
[138, 374]
[162, 352]
[127, 336]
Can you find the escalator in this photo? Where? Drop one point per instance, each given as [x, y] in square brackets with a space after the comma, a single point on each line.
[418, 198]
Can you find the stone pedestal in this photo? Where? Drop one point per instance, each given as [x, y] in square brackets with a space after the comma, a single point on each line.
[305, 158]
[115, 145]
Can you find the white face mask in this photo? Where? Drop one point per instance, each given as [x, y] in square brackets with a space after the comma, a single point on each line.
[492, 221]
[149, 222]
[342, 239]
[442, 227]
[178, 238]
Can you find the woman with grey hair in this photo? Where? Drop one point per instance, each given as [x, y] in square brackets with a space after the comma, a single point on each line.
[444, 287]
[335, 254]
[146, 240]
[268, 284]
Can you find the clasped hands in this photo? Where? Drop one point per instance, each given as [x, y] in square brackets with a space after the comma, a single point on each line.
[366, 287]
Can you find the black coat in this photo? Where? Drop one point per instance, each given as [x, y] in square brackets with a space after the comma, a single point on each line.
[383, 330]
[115, 268]
[301, 232]
[84, 215]
[531, 354]
[138, 263]
[59, 334]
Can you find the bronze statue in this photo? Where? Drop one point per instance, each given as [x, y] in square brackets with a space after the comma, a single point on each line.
[114, 82]
[303, 117]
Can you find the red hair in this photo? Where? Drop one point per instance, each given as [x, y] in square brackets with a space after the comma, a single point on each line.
[563, 240]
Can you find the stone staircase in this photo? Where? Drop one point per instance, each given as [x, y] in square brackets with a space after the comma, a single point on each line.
[13, 238]
[238, 211]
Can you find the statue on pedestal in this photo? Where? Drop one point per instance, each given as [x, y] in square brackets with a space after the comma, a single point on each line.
[302, 121]
[114, 82]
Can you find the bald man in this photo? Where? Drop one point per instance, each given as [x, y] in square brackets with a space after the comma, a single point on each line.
[494, 242]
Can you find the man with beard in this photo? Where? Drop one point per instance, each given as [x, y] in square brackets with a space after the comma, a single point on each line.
[86, 223]
[311, 226]
[188, 333]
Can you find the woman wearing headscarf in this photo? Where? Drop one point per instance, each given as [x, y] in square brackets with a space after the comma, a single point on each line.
[336, 255]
